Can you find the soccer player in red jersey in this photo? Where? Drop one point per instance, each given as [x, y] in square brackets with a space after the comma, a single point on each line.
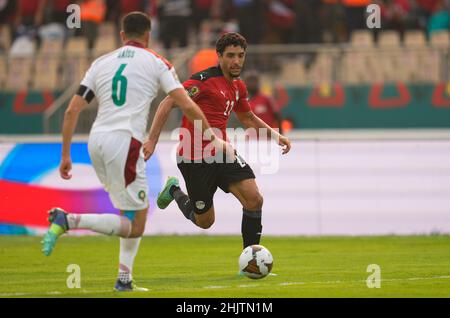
[218, 91]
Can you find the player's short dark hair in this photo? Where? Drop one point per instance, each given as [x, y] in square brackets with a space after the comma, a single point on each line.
[233, 39]
[135, 24]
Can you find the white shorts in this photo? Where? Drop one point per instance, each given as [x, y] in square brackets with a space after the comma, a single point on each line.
[119, 163]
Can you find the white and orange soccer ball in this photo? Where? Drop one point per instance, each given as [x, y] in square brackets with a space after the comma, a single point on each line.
[255, 261]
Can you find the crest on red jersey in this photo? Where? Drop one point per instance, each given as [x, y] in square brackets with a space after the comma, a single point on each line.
[192, 91]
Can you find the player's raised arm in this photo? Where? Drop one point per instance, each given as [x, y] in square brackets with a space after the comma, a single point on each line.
[77, 104]
[192, 111]
[189, 108]
[158, 123]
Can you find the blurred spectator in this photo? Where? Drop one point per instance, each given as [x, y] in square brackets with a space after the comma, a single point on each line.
[7, 10]
[355, 13]
[418, 15]
[201, 14]
[440, 19]
[427, 5]
[30, 13]
[23, 46]
[53, 31]
[262, 105]
[260, 21]
[308, 22]
[56, 11]
[421, 11]
[55, 17]
[395, 14]
[112, 10]
[29, 16]
[117, 9]
[92, 15]
[280, 21]
[127, 6]
[333, 21]
[202, 60]
[222, 20]
[174, 18]
[249, 14]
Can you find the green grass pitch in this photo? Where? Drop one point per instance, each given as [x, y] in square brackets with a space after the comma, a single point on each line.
[206, 266]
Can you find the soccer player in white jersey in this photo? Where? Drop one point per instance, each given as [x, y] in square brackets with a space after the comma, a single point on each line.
[124, 82]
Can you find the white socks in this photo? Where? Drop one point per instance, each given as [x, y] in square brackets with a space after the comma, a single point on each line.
[109, 224]
[128, 251]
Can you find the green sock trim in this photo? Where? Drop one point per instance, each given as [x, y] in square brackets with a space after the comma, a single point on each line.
[56, 229]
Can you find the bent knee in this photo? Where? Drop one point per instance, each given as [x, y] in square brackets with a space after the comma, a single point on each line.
[255, 203]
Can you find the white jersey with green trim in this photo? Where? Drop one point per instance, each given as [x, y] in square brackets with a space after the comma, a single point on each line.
[125, 82]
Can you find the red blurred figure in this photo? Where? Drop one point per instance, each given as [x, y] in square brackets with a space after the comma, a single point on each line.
[30, 12]
[262, 105]
[127, 6]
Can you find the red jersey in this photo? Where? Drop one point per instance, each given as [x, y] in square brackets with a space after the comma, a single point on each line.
[264, 108]
[61, 5]
[217, 98]
[29, 7]
[130, 6]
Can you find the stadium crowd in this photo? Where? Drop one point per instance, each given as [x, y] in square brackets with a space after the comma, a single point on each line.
[176, 23]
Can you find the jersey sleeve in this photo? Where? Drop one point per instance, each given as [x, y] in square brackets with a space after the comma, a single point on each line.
[243, 105]
[194, 88]
[89, 78]
[169, 79]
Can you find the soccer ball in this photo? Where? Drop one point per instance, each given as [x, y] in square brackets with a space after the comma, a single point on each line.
[255, 261]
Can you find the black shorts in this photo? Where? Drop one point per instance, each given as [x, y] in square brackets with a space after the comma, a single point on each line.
[202, 180]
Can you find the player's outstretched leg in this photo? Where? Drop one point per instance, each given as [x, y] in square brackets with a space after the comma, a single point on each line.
[61, 222]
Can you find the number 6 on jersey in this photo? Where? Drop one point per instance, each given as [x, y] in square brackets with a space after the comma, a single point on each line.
[119, 78]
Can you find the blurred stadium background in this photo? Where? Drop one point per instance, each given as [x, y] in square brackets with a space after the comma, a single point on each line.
[368, 110]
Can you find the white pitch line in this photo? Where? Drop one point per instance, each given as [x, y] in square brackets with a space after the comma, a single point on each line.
[52, 293]
[292, 283]
[12, 294]
[363, 281]
[84, 291]
[336, 282]
[417, 278]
